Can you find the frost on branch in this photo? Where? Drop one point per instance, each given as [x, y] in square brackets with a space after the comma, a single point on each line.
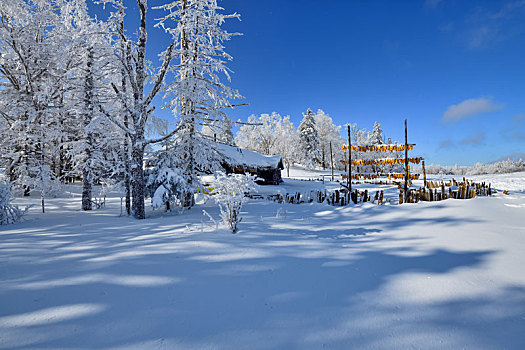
[9, 213]
[229, 193]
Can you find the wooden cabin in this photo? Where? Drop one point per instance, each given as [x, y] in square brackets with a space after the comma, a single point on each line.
[242, 161]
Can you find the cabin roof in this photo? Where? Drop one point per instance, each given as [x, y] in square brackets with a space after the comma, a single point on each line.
[236, 156]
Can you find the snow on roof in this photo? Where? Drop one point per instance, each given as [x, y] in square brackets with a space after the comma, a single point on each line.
[242, 157]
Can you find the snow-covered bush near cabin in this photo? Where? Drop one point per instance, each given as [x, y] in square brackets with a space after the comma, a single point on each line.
[9, 213]
[229, 193]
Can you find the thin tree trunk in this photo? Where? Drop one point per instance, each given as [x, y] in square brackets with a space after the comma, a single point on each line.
[86, 189]
[332, 160]
[324, 162]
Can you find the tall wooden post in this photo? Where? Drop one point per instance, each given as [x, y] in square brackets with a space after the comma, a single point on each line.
[424, 175]
[406, 163]
[332, 160]
[349, 160]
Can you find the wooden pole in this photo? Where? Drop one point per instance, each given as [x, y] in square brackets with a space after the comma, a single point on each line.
[424, 175]
[332, 160]
[406, 163]
[349, 160]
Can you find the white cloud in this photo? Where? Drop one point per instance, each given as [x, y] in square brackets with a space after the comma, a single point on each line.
[478, 139]
[483, 26]
[448, 143]
[518, 118]
[470, 107]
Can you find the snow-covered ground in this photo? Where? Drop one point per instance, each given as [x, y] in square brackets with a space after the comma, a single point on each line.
[440, 275]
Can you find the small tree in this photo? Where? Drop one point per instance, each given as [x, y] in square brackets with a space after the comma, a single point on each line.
[228, 193]
[166, 183]
[9, 213]
[45, 183]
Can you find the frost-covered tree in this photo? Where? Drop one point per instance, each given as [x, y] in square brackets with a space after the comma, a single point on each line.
[29, 85]
[229, 193]
[197, 95]
[375, 137]
[286, 143]
[270, 134]
[135, 96]
[96, 141]
[328, 133]
[309, 140]
[37, 59]
[260, 133]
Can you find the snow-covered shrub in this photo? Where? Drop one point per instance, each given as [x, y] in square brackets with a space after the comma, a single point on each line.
[229, 193]
[9, 213]
[165, 183]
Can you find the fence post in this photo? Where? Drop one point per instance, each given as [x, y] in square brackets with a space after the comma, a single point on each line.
[332, 160]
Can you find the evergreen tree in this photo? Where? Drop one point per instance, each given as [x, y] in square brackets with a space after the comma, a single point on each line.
[309, 140]
[197, 94]
[376, 136]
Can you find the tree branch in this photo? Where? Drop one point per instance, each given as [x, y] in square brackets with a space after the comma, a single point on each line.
[114, 121]
[164, 138]
[160, 76]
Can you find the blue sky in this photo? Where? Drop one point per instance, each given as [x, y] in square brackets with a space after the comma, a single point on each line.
[453, 68]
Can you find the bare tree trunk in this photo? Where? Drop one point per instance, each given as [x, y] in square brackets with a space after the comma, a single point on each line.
[137, 140]
[137, 179]
[187, 110]
[127, 184]
[86, 190]
[87, 171]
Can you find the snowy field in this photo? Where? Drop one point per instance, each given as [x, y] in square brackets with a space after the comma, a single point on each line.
[440, 275]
